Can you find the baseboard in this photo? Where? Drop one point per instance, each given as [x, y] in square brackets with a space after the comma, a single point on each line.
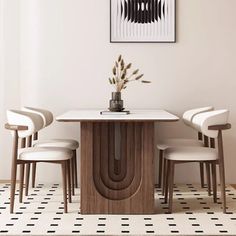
[3, 181]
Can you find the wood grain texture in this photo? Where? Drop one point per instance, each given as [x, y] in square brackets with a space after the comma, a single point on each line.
[111, 185]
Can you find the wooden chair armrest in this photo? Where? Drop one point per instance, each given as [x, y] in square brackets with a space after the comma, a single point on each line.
[220, 127]
[16, 127]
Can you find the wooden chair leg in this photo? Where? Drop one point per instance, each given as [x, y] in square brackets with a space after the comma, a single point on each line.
[75, 170]
[22, 174]
[167, 181]
[13, 187]
[171, 185]
[164, 176]
[72, 173]
[222, 185]
[160, 173]
[208, 172]
[27, 179]
[33, 174]
[202, 174]
[64, 185]
[69, 179]
[214, 182]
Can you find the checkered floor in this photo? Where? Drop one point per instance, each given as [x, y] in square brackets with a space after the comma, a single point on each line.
[42, 214]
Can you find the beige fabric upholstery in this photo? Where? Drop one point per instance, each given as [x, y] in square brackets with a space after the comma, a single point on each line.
[46, 115]
[202, 121]
[188, 115]
[34, 122]
[44, 154]
[65, 143]
[191, 154]
[178, 142]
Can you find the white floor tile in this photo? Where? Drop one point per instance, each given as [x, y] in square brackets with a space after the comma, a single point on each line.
[42, 214]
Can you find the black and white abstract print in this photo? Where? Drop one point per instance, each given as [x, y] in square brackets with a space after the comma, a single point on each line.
[142, 11]
[142, 20]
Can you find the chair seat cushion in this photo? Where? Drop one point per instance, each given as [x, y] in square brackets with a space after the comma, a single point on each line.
[178, 142]
[44, 154]
[191, 154]
[65, 143]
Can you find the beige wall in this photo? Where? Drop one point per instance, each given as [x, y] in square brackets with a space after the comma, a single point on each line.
[66, 58]
[9, 75]
[1, 74]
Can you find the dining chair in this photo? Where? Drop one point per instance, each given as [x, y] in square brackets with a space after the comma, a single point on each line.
[210, 124]
[47, 117]
[22, 126]
[173, 142]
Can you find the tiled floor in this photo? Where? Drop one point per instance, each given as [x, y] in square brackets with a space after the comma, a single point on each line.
[42, 214]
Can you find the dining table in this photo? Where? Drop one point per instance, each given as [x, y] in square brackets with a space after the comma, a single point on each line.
[117, 163]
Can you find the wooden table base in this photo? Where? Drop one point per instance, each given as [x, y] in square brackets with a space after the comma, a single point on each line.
[117, 167]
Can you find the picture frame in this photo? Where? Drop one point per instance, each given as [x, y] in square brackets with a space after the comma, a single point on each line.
[142, 21]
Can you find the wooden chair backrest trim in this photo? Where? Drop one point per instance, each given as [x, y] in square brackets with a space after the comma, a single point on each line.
[25, 142]
[220, 127]
[15, 127]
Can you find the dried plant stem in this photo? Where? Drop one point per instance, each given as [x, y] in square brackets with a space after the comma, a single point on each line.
[120, 78]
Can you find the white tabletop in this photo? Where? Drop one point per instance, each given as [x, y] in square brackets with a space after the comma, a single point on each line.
[135, 115]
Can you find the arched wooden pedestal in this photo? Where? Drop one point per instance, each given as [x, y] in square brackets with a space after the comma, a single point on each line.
[117, 167]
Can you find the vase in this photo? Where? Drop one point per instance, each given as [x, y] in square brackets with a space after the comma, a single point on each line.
[116, 104]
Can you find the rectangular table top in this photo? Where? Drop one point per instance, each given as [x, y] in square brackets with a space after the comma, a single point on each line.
[135, 115]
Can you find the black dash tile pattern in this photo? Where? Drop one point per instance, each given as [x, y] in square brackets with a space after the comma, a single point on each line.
[186, 209]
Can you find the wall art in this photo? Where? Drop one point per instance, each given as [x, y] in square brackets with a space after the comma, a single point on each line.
[142, 20]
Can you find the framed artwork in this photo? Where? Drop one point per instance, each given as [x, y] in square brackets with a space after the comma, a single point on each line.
[142, 21]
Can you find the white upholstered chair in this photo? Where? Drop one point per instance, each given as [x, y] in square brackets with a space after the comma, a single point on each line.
[211, 125]
[178, 142]
[23, 125]
[47, 117]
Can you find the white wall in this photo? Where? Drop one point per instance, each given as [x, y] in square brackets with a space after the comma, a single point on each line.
[1, 74]
[9, 75]
[66, 58]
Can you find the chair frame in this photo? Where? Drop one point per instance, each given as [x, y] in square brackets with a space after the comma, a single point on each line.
[73, 170]
[162, 162]
[163, 168]
[73, 162]
[219, 162]
[15, 162]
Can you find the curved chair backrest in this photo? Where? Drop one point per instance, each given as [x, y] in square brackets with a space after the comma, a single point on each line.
[46, 115]
[34, 122]
[189, 115]
[202, 121]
